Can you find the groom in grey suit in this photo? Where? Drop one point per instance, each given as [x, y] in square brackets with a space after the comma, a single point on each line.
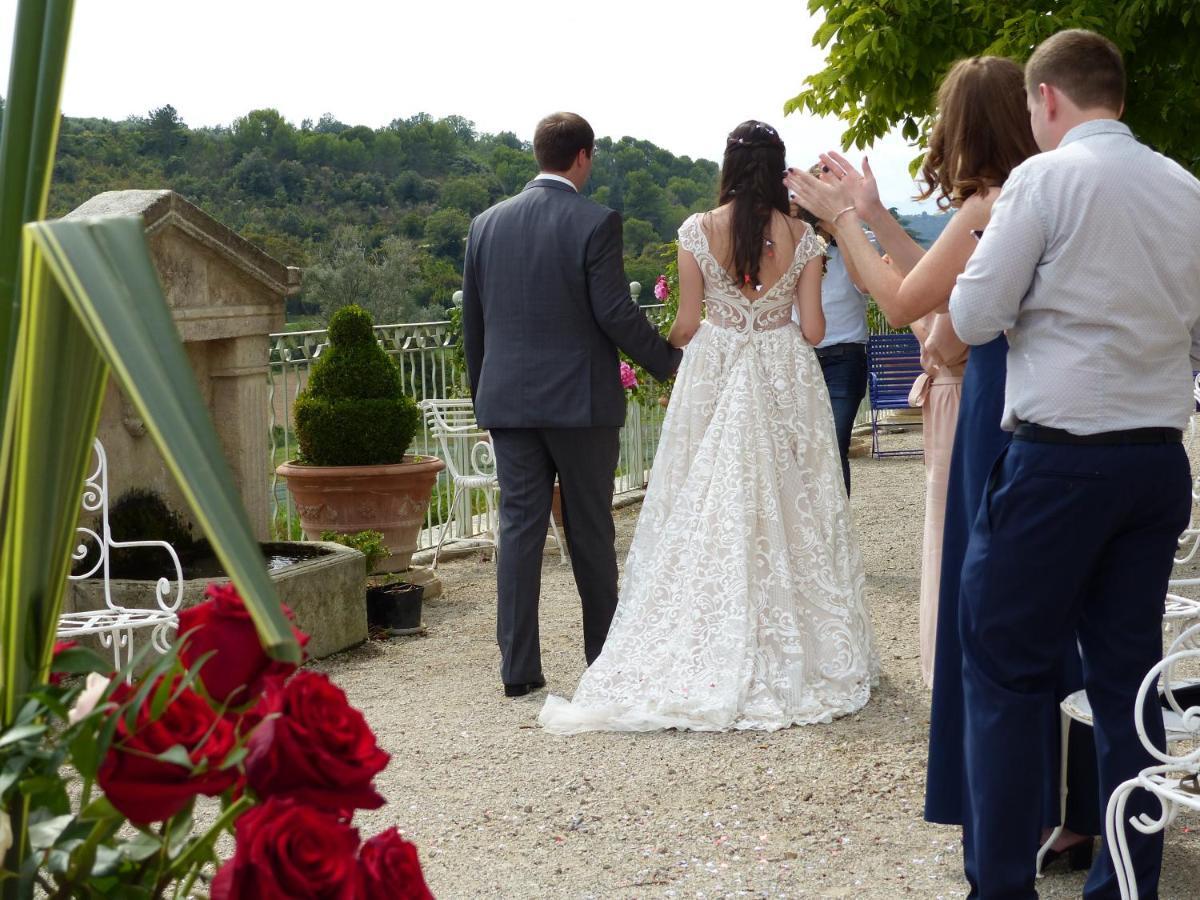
[545, 308]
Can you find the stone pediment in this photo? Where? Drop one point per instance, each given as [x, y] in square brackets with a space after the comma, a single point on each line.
[217, 284]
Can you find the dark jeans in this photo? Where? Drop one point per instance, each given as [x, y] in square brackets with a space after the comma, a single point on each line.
[845, 369]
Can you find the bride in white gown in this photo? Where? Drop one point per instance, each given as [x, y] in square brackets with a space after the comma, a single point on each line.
[741, 603]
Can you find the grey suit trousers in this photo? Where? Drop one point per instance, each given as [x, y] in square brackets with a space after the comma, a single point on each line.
[527, 461]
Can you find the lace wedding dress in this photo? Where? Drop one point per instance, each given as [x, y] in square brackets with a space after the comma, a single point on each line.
[741, 603]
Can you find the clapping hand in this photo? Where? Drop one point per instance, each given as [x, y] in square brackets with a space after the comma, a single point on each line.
[840, 188]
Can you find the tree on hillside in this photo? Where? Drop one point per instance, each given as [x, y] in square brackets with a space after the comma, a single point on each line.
[886, 58]
[446, 233]
[165, 132]
[468, 193]
[637, 234]
[265, 130]
[379, 281]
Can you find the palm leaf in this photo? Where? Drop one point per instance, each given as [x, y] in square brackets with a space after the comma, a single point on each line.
[27, 141]
[58, 381]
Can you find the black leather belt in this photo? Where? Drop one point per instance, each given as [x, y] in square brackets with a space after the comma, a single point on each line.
[841, 349]
[1027, 431]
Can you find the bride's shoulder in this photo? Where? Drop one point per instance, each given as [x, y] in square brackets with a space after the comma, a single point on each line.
[693, 233]
[799, 228]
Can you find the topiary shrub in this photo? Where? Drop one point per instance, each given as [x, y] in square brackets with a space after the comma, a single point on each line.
[354, 412]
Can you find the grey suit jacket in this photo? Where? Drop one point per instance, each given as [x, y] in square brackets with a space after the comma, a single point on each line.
[545, 307]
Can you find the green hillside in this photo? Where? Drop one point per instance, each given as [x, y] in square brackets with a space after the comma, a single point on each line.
[374, 216]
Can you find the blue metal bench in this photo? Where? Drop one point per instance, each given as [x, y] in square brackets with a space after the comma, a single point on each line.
[893, 364]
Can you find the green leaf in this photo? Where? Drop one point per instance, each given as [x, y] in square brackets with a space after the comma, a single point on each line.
[80, 661]
[85, 754]
[108, 860]
[177, 755]
[179, 832]
[235, 758]
[98, 810]
[139, 847]
[20, 733]
[38, 784]
[44, 834]
[14, 768]
[162, 694]
[28, 138]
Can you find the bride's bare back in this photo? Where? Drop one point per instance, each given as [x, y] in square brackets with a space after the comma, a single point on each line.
[780, 239]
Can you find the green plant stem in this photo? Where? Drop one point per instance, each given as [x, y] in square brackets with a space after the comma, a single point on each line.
[103, 829]
[187, 859]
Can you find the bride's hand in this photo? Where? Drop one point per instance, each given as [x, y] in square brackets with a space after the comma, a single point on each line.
[861, 187]
[825, 199]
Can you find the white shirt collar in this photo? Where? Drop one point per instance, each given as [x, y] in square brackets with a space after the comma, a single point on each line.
[1094, 126]
[554, 177]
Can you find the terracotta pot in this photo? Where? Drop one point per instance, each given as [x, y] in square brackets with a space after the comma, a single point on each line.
[391, 499]
[556, 505]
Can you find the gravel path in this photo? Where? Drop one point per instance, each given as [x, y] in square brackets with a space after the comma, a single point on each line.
[500, 809]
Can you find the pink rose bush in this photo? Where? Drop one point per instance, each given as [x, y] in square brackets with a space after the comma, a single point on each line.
[629, 379]
[662, 290]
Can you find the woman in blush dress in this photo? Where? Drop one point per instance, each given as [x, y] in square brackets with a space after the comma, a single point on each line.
[981, 134]
[937, 392]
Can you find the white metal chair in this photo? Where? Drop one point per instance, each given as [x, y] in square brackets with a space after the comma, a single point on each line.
[115, 625]
[1180, 618]
[1176, 780]
[1189, 541]
[471, 463]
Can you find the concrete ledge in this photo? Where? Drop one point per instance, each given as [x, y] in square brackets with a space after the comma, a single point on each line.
[327, 594]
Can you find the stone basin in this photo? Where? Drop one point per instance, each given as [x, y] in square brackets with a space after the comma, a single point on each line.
[323, 583]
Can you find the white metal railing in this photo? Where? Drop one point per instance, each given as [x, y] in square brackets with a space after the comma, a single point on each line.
[429, 359]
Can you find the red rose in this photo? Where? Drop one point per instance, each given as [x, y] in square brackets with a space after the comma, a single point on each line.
[390, 869]
[145, 789]
[59, 647]
[238, 670]
[318, 748]
[287, 851]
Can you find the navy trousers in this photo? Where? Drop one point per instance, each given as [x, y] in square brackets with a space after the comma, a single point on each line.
[1071, 543]
[845, 369]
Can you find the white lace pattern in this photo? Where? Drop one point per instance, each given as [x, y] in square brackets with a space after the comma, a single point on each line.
[741, 603]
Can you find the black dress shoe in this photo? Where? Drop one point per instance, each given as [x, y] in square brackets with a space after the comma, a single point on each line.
[520, 690]
[1078, 856]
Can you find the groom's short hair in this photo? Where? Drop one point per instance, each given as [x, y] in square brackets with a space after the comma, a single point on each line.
[1085, 66]
[559, 138]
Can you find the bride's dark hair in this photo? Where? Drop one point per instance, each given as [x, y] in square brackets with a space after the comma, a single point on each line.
[752, 178]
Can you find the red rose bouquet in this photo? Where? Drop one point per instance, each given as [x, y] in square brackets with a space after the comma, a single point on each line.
[284, 755]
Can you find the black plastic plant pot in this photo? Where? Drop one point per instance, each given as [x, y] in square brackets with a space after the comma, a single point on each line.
[395, 607]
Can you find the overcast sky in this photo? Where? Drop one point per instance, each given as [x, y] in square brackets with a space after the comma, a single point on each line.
[670, 71]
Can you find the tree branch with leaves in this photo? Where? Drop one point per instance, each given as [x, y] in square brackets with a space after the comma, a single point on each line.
[885, 59]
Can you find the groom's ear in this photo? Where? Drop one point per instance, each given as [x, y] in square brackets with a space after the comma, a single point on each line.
[1049, 98]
